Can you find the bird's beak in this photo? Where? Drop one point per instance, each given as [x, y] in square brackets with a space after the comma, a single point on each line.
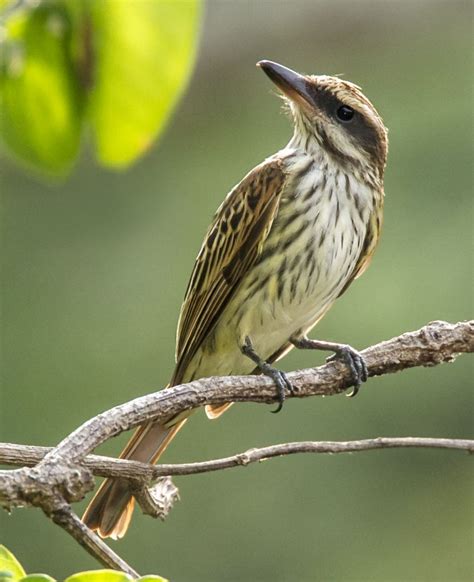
[292, 84]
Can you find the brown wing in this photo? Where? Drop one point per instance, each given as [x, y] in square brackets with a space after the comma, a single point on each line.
[231, 246]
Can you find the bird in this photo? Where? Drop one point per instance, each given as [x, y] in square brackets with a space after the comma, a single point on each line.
[285, 243]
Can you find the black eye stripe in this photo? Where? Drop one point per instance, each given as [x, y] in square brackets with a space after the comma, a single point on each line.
[359, 128]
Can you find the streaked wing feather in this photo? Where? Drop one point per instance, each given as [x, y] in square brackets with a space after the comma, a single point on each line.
[230, 248]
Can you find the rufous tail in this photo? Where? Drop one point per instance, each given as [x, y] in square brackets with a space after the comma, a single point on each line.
[213, 411]
[110, 511]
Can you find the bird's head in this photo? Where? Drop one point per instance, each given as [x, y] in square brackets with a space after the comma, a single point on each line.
[333, 115]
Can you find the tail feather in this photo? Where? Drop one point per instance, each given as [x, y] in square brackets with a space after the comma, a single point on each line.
[110, 511]
[213, 411]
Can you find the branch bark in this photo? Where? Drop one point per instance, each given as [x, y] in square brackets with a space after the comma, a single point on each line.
[63, 475]
[27, 455]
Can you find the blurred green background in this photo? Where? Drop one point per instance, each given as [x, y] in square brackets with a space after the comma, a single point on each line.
[95, 267]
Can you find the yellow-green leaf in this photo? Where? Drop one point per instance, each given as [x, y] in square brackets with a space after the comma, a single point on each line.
[99, 576]
[39, 96]
[10, 568]
[37, 578]
[7, 4]
[143, 52]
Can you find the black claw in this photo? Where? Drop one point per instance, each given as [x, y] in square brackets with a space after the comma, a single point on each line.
[356, 364]
[365, 370]
[279, 377]
[354, 391]
[278, 408]
[288, 384]
[282, 384]
[280, 389]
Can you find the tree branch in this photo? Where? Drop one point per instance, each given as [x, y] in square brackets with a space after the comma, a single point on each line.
[62, 476]
[27, 455]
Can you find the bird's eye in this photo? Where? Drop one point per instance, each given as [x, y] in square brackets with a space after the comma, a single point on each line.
[345, 113]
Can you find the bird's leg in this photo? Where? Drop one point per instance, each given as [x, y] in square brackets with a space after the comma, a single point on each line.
[276, 375]
[353, 359]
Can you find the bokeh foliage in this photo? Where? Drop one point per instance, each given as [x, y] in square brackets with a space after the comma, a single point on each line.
[12, 571]
[112, 69]
[95, 268]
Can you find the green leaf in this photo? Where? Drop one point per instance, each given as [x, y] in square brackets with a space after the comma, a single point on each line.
[6, 4]
[10, 568]
[37, 578]
[39, 95]
[143, 54]
[99, 576]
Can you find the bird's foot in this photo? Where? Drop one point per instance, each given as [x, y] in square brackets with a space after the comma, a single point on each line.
[351, 357]
[282, 384]
[355, 362]
[280, 378]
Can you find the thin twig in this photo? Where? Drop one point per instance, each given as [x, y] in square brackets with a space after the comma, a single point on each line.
[91, 542]
[26, 455]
